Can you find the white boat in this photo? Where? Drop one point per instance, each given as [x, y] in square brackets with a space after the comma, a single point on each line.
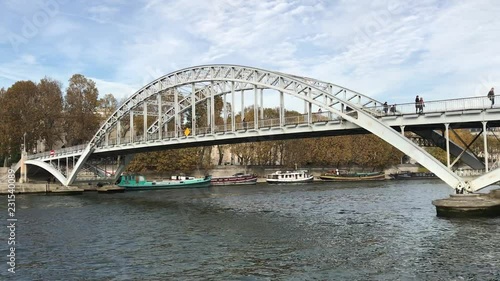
[298, 176]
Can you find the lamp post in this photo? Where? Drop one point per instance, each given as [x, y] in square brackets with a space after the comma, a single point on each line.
[24, 171]
[24, 142]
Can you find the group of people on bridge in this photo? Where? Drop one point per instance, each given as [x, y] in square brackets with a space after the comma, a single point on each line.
[392, 109]
[419, 105]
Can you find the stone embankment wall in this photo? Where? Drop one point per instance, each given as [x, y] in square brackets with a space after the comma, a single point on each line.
[262, 172]
[32, 187]
[19, 188]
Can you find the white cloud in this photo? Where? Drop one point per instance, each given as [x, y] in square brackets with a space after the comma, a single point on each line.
[102, 13]
[119, 90]
[390, 50]
[28, 59]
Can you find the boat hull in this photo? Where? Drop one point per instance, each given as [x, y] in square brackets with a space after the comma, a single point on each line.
[349, 178]
[236, 180]
[280, 181]
[413, 176]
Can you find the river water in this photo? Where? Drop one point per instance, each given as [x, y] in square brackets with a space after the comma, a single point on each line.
[321, 231]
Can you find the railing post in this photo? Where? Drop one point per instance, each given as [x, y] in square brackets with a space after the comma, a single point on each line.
[118, 131]
[160, 119]
[131, 129]
[193, 109]
[233, 121]
[255, 104]
[145, 121]
[224, 102]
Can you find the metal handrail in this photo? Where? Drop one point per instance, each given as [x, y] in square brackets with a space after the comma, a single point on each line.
[441, 106]
[59, 152]
[436, 106]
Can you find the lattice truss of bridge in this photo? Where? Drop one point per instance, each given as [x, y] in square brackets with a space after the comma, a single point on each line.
[153, 119]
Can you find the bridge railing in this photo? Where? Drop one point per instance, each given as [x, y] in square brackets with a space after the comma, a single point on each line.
[469, 172]
[478, 103]
[58, 152]
[439, 106]
[239, 126]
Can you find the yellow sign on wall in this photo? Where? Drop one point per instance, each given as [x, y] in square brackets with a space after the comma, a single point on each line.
[187, 132]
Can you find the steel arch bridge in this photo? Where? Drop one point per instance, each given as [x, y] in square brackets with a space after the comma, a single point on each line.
[343, 111]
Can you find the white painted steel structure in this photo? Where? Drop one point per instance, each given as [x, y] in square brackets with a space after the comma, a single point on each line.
[343, 111]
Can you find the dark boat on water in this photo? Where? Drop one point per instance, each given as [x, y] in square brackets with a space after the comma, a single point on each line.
[406, 175]
[338, 175]
[236, 179]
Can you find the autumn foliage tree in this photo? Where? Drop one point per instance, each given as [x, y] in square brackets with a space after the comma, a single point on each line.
[30, 113]
[19, 108]
[168, 162]
[81, 103]
[4, 130]
[107, 105]
[50, 110]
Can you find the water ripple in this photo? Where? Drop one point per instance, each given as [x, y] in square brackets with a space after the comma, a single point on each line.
[372, 231]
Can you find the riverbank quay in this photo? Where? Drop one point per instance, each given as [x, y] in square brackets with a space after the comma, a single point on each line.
[469, 205]
[50, 189]
[9, 185]
[110, 189]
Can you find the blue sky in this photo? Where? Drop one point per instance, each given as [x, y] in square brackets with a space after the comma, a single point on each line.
[390, 50]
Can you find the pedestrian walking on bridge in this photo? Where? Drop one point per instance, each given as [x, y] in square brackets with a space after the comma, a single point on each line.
[393, 109]
[421, 105]
[491, 96]
[417, 103]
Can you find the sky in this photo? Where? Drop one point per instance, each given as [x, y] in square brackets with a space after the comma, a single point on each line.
[386, 49]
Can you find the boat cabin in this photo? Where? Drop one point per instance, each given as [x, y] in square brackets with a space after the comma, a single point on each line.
[181, 178]
[279, 175]
[128, 179]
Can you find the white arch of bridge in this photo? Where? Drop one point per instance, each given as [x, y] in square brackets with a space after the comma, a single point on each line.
[349, 95]
[49, 168]
[330, 97]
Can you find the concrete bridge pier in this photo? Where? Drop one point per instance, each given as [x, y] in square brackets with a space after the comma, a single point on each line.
[469, 205]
